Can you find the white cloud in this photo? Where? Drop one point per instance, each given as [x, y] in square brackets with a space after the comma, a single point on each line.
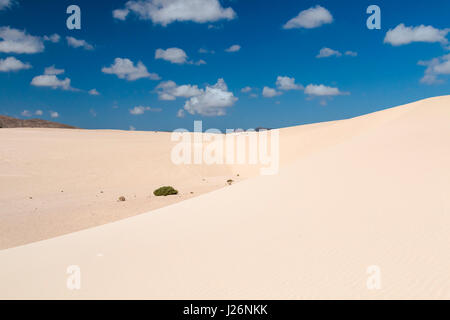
[233, 48]
[125, 69]
[164, 12]
[54, 114]
[246, 89]
[181, 113]
[131, 128]
[174, 55]
[138, 110]
[6, 4]
[12, 64]
[53, 71]
[270, 92]
[200, 62]
[212, 101]
[286, 83]
[51, 81]
[402, 35]
[121, 14]
[17, 41]
[215, 27]
[94, 92]
[322, 91]
[53, 38]
[77, 43]
[203, 50]
[327, 52]
[168, 90]
[435, 68]
[26, 113]
[313, 17]
[351, 53]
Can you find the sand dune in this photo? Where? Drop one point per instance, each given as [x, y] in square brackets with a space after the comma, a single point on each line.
[53, 182]
[368, 191]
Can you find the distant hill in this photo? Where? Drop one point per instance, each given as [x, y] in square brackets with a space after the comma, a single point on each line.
[10, 122]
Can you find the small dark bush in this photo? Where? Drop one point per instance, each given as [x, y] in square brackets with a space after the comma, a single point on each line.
[230, 182]
[165, 191]
[121, 199]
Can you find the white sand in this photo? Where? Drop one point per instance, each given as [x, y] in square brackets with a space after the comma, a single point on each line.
[373, 190]
[75, 177]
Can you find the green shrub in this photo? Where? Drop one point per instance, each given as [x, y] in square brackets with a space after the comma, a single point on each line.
[165, 191]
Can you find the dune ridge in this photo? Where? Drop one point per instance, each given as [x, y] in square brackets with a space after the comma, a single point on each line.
[368, 191]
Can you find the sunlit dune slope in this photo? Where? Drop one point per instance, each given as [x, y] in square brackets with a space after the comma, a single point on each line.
[351, 194]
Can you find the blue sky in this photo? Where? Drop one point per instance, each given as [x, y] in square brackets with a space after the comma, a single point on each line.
[406, 60]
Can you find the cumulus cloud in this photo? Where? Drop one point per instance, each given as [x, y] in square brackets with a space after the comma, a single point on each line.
[138, 110]
[199, 62]
[164, 12]
[53, 71]
[6, 4]
[169, 90]
[327, 52]
[215, 27]
[313, 17]
[283, 83]
[246, 89]
[181, 113]
[78, 43]
[203, 50]
[402, 35]
[12, 64]
[17, 41]
[26, 113]
[212, 101]
[173, 55]
[270, 92]
[121, 14]
[233, 48]
[53, 38]
[287, 83]
[435, 68]
[125, 69]
[51, 81]
[94, 92]
[54, 114]
[322, 91]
